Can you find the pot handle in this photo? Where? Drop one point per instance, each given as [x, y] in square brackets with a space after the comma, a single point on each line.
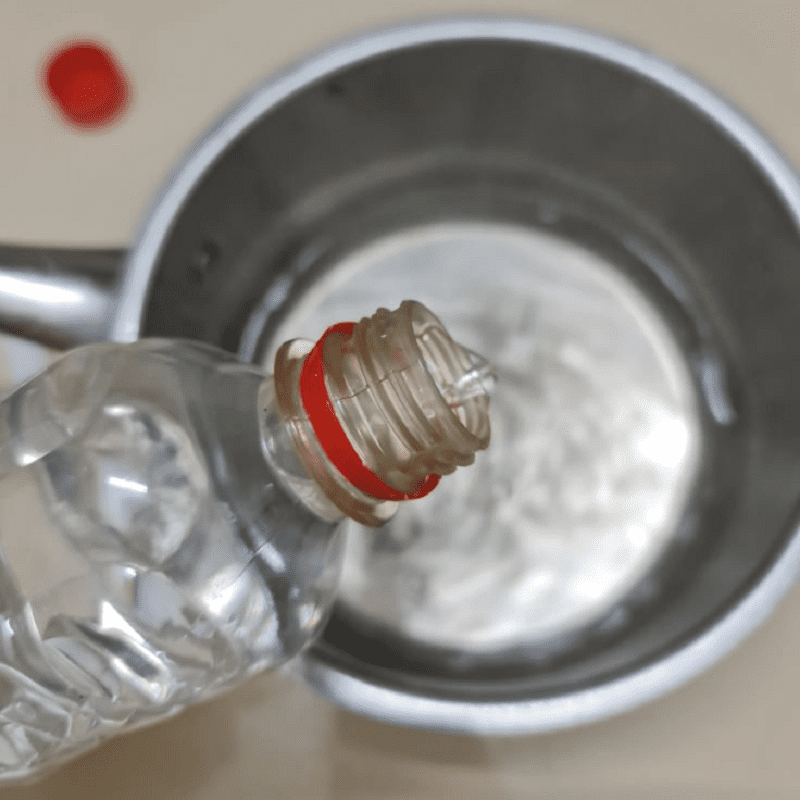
[61, 297]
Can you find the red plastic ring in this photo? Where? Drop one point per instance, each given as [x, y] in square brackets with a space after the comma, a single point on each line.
[331, 435]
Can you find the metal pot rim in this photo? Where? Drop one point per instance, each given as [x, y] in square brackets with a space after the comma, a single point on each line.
[513, 717]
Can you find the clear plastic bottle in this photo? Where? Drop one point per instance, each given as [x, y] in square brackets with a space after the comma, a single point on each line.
[169, 515]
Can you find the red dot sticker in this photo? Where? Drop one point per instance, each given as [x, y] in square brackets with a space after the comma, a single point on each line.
[87, 84]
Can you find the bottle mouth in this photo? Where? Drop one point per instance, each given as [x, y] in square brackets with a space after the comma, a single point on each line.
[381, 409]
[463, 379]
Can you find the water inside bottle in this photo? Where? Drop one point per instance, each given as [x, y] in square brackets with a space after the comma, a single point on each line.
[148, 559]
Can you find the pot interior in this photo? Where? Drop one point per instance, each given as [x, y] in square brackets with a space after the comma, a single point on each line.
[630, 271]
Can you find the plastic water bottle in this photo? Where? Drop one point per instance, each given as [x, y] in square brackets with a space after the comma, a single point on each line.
[169, 515]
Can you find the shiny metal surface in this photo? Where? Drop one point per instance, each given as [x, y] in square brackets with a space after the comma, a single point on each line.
[679, 169]
[368, 171]
[59, 296]
[594, 453]
[148, 248]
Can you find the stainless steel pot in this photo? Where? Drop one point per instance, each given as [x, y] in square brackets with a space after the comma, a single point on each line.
[532, 125]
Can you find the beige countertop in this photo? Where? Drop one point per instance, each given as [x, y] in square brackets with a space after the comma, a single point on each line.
[733, 733]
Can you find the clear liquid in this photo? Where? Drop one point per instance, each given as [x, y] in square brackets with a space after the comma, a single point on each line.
[595, 439]
[149, 558]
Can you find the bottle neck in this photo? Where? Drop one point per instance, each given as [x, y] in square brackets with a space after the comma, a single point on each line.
[278, 446]
[375, 412]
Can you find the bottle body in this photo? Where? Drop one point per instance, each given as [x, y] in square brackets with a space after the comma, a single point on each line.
[169, 516]
[160, 560]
